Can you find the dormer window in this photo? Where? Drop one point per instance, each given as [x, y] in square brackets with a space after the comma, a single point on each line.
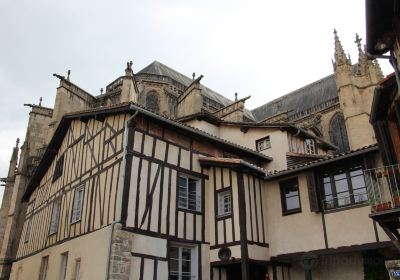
[310, 146]
[263, 144]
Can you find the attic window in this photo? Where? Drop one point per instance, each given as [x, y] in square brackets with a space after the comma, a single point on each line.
[263, 144]
[310, 146]
[59, 168]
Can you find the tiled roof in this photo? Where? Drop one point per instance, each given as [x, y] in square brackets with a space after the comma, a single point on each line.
[234, 161]
[318, 162]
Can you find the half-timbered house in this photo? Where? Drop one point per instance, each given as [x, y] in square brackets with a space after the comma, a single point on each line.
[124, 193]
[160, 177]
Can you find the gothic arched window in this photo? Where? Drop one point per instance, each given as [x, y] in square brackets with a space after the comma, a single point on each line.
[338, 132]
[152, 102]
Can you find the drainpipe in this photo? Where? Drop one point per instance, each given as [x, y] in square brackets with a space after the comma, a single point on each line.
[121, 195]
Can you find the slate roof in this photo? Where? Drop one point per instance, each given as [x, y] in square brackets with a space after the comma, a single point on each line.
[157, 68]
[299, 100]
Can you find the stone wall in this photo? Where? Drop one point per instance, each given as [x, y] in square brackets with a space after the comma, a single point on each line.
[120, 257]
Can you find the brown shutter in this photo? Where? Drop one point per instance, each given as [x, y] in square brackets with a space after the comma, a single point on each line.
[312, 192]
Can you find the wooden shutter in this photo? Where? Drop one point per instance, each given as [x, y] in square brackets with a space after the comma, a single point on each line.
[312, 192]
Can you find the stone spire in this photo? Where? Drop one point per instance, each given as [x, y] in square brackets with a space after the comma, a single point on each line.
[340, 55]
[362, 58]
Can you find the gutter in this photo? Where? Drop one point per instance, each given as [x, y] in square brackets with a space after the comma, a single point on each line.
[125, 190]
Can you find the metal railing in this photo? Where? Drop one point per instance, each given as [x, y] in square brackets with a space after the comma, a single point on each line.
[383, 186]
[350, 200]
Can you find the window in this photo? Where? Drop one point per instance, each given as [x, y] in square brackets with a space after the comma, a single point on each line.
[344, 186]
[310, 146]
[63, 268]
[58, 170]
[290, 196]
[77, 269]
[28, 229]
[152, 102]
[182, 262]
[224, 203]
[338, 132]
[43, 268]
[189, 193]
[77, 207]
[263, 144]
[55, 216]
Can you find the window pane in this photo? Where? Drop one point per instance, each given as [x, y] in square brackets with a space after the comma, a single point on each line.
[174, 265]
[174, 252]
[341, 186]
[358, 182]
[327, 189]
[340, 176]
[186, 267]
[291, 197]
[292, 203]
[360, 195]
[186, 254]
[356, 172]
[343, 198]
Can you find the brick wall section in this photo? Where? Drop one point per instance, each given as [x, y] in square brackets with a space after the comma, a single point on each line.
[120, 258]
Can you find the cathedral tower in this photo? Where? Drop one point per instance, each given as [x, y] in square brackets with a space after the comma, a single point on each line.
[355, 86]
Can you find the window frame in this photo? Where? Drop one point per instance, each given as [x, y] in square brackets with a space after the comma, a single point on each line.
[64, 265]
[59, 168]
[194, 259]
[218, 195]
[266, 140]
[199, 193]
[28, 229]
[347, 169]
[310, 147]
[56, 201]
[282, 187]
[44, 267]
[77, 269]
[80, 189]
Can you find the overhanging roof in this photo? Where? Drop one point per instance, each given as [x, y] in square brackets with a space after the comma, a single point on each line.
[323, 161]
[379, 21]
[383, 97]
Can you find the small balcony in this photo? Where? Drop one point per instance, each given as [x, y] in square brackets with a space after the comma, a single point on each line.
[383, 187]
[344, 201]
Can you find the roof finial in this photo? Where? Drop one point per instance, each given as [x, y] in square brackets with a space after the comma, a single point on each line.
[340, 56]
[128, 70]
[362, 58]
[40, 101]
[17, 143]
[68, 74]
[236, 99]
[194, 75]
[101, 91]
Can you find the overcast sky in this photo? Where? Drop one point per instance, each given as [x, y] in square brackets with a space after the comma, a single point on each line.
[260, 48]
